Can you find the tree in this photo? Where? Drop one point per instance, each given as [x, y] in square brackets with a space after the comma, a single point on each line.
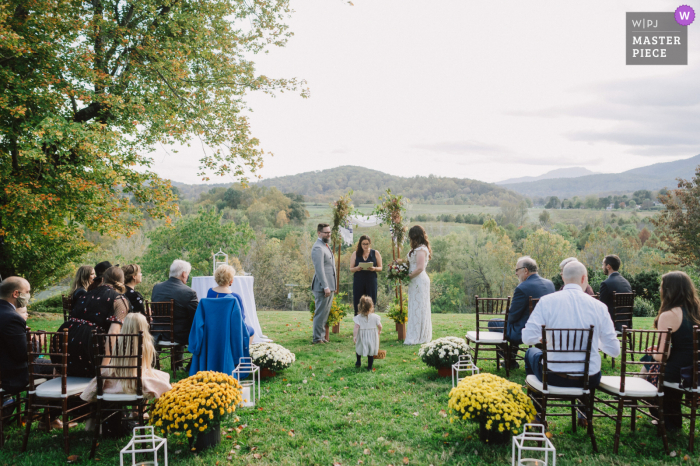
[89, 87]
[544, 218]
[644, 235]
[679, 222]
[591, 201]
[548, 249]
[553, 203]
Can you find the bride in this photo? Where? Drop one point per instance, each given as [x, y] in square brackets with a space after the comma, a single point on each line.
[419, 327]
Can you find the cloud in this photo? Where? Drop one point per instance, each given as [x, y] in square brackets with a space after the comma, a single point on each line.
[462, 147]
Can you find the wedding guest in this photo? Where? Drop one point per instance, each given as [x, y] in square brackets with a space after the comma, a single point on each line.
[154, 382]
[571, 308]
[102, 309]
[82, 281]
[132, 277]
[99, 270]
[366, 332]
[364, 281]
[680, 310]
[185, 298]
[614, 283]
[14, 294]
[588, 290]
[224, 276]
[323, 283]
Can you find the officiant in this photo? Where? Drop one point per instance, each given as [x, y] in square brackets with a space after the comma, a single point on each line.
[365, 262]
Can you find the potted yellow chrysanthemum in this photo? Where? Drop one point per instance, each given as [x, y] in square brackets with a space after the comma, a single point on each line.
[195, 407]
[499, 406]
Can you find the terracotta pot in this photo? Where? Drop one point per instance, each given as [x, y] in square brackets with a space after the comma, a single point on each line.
[204, 440]
[328, 333]
[401, 330]
[445, 371]
[336, 328]
[493, 436]
[266, 373]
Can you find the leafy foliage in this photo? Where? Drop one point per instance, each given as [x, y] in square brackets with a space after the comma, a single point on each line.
[548, 249]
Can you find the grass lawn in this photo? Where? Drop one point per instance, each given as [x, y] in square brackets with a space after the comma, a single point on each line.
[339, 414]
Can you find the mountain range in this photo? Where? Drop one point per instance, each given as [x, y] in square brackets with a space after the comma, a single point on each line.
[570, 172]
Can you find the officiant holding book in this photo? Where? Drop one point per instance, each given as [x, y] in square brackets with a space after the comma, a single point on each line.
[365, 262]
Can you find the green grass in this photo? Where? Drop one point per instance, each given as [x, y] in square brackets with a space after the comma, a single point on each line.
[341, 412]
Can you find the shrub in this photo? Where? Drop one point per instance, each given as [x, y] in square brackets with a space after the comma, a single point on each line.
[52, 304]
[644, 308]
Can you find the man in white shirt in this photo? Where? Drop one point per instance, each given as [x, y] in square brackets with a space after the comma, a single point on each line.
[570, 308]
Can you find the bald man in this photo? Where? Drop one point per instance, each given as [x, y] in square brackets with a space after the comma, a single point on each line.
[14, 294]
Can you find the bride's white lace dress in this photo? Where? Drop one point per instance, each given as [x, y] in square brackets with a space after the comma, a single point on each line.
[419, 328]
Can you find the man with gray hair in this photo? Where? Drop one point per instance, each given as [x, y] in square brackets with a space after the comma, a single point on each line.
[588, 290]
[185, 300]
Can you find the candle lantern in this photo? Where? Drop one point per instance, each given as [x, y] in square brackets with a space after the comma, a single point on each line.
[533, 440]
[144, 441]
[248, 387]
[463, 364]
[220, 258]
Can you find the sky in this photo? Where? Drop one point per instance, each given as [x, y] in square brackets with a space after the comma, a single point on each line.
[468, 89]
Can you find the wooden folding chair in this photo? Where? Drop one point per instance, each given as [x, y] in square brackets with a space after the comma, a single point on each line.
[10, 412]
[631, 389]
[161, 319]
[109, 348]
[483, 339]
[67, 302]
[577, 343]
[61, 393]
[623, 307]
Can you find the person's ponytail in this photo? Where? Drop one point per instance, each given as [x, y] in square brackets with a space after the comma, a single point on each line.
[114, 276]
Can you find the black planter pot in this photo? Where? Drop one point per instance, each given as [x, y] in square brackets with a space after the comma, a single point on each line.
[204, 440]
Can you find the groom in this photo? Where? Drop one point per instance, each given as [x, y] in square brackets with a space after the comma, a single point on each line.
[323, 284]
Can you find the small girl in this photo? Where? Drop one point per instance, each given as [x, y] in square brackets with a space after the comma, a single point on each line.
[365, 335]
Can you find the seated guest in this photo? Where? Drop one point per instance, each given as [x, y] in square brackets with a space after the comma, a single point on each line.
[571, 308]
[14, 294]
[185, 299]
[154, 382]
[82, 281]
[132, 277]
[680, 311]
[224, 276]
[102, 309]
[614, 283]
[99, 270]
[588, 290]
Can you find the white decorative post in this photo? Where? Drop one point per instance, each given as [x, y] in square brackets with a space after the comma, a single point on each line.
[137, 446]
[529, 441]
[463, 364]
[220, 258]
[244, 368]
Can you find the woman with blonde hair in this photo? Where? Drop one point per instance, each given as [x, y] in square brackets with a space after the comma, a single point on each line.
[224, 277]
[82, 281]
[419, 328]
[153, 382]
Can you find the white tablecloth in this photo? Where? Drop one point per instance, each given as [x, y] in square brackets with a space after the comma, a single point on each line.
[242, 286]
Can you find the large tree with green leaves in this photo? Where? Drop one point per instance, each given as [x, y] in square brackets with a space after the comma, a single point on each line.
[89, 87]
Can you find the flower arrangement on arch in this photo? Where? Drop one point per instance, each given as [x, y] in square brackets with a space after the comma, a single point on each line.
[196, 404]
[271, 356]
[497, 404]
[443, 352]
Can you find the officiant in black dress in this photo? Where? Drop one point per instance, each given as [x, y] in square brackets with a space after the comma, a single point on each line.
[364, 282]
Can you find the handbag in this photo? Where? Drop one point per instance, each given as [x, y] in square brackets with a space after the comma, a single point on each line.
[686, 382]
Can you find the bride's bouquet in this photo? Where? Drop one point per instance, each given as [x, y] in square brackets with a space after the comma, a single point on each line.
[398, 271]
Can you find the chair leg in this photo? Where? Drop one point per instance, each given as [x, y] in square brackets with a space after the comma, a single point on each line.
[30, 418]
[693, 415]
[507, 361]
[543, 414]
[476, 353]
[66, 423]
[589, 418]
[574, 405]
[618, 423]
[97, 417]
[633, 417]
[662, 423]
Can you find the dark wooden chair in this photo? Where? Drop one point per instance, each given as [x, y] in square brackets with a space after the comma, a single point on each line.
[67, 302]
[631, 389]
[533, 302]
[483, 339]
[161, 318]
[10, 412]
[127, 348]
[691, 393]
[61, 393]
[562, 341]
[623, 307]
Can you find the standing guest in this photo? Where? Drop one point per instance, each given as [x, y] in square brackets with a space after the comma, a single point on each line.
[364, 281]
[366, 332]
[588, 290]
[14, 294]
[323, 284]
[680, 310]
[102, 309]
[614, 283]
[132, 277]
[224, 277]
[82, 281]
[571, 308]
[99, 270]
[185, 298]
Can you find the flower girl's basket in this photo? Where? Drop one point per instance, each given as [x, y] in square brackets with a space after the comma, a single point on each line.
[381, 354]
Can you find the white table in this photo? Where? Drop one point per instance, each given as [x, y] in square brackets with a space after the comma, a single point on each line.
[243, 287]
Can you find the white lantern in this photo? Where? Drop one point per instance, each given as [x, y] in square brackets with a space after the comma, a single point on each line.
[463, 364]
[220, 258]
[142, 443]
[533, 435]
[248, 387]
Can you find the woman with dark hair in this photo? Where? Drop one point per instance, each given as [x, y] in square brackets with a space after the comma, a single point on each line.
[82, 281]
[132, 277]
[679, 311]
[99, 270]
[419, 328]
[364, 280]
[102, 309]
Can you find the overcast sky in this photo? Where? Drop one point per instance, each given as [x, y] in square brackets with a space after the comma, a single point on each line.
[470, 89]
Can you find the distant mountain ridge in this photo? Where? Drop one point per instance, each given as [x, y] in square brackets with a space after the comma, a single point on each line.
[656, 176]
[569, 172]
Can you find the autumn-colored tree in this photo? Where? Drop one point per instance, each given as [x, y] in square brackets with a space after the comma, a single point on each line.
[644, 235]
[89, 87]
[679, 222]
[548, 249]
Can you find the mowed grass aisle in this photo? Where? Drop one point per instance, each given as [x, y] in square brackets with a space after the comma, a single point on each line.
[323, 411]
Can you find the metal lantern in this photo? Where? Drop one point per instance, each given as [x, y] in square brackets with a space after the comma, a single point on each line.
[463, 364]
[220, 258]
[146, 442]
[533, 439]
[248, 387]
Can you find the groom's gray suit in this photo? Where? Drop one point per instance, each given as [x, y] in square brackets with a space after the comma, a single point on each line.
[324, 277]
